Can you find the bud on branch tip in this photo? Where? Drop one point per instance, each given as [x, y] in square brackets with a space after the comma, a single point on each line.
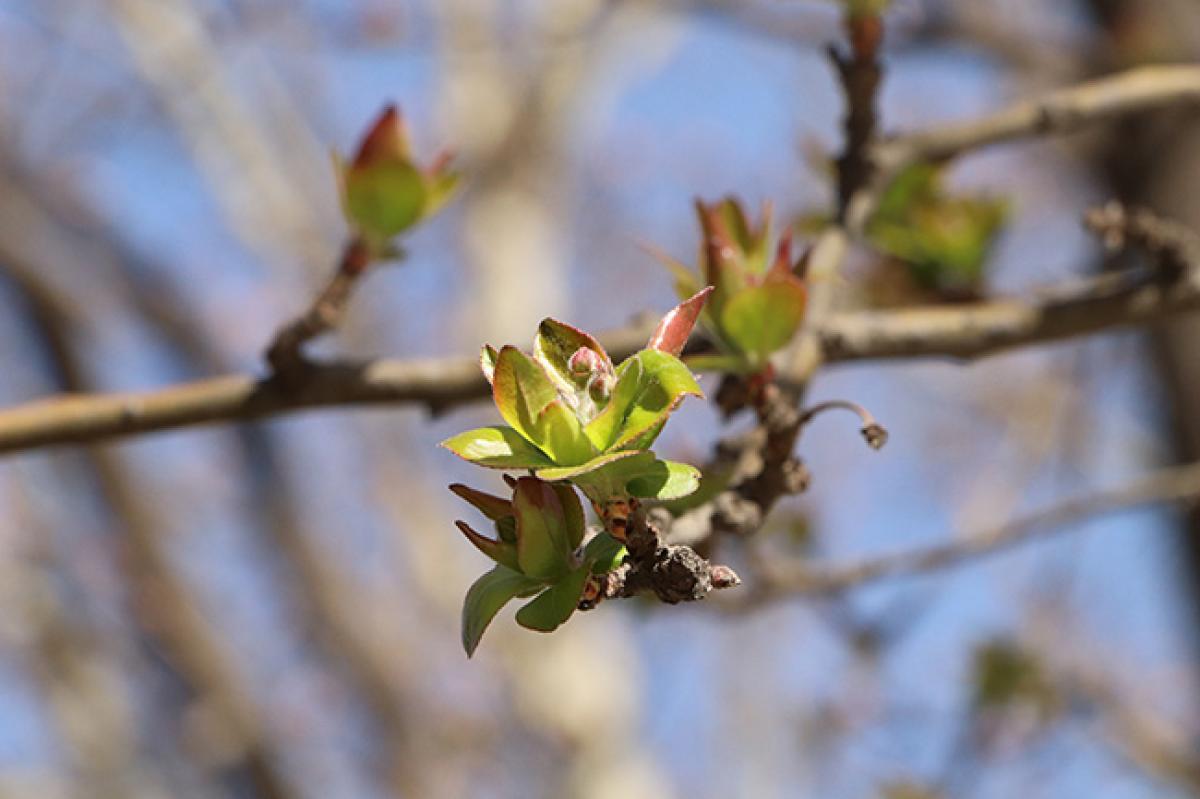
[672, 332]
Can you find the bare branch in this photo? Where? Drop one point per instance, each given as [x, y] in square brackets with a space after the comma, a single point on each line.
[960, 332]
[1180, 484]
[285, 354]
[992, 326]
[1063, 111]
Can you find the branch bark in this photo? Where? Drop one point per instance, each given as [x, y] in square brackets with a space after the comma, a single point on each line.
[961, 332]
[1179, 484]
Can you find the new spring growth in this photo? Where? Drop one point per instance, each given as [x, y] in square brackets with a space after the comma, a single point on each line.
[537, 554]
[384, 191]
[758, 296]
[573, 415]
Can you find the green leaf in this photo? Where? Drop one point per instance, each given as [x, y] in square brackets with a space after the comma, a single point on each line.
[605, 477]
[503, 553]
[487, 361]
[493, 507]
[543, 542]
[573, 518]
[484, 599]
[602, 430]
[553, 347]
[383, 199]
[438, 191]
[558, 432]
[575, 473]
[604, 553]
[497, 447]
[665, 480]
[762, 319]
[522, 390]
[712, 482]
[664, 382]
[555, 605]
[647, 437]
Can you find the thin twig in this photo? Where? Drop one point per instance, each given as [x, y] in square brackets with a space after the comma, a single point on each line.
[285, 354]
[1180, 484]
[961, 332]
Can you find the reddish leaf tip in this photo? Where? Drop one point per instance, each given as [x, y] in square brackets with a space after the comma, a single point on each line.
[385, 140]
[672, 332]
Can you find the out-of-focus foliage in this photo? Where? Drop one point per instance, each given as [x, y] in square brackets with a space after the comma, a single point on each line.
[943, 238]
[1007, 675]
[758, 295]
[384, 191]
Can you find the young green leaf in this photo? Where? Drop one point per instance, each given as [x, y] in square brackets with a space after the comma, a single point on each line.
[384, 199]
[604, 553]
[665, 480]
[599, 465]
[553, 348]
[497, 447]
[559, 434]
[484, 599]
[762, 319]
[605, 477]
[503, 553]
[665, 381]
[573, 518]
[487, 361]
[543, 542]
[522, 390]
[602, 430]
[555, 605]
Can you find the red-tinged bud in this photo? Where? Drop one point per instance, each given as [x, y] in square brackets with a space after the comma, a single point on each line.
[384, 193]
[865, 29]
[600, 387]
[783, 255]
[387, 140]
[587, 361]
[672, 332]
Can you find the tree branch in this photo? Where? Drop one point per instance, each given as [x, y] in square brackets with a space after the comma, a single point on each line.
[1179, 484]
[960, 332]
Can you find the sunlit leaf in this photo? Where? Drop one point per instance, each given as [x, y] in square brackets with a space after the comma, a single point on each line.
[553, 347]
[555, 605]
[497, 447]
[602, 430]
[552, 473]
[558, 432]
[522, 390]
[487, 361]
[664, 382]
[543, 542]
[484, 599]
[665, 480]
